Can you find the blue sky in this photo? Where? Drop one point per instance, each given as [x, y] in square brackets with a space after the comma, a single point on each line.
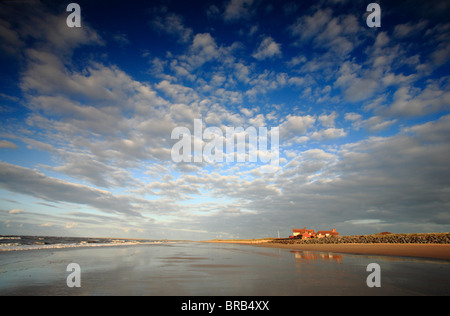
[87, 115]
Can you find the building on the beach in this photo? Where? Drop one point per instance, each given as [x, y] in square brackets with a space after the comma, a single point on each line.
[310, 233]
[303, 233]
[327, 233]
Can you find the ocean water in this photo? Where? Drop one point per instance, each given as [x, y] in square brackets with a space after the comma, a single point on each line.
[11, 243]
[158, 268]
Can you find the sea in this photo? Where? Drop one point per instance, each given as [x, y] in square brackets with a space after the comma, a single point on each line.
[11, 243]
[190, 271]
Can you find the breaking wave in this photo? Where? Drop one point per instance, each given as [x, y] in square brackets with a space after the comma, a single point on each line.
[15, 243]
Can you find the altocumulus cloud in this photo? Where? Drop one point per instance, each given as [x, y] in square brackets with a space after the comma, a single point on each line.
[34, 183]
[363, 116]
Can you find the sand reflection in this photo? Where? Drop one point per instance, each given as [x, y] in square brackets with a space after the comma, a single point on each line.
[307, 256]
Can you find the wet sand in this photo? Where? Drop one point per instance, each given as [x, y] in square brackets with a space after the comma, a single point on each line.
[220, 269]
[432, 251]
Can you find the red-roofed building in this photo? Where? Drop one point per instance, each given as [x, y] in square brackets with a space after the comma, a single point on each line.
[327, 233]
[302, 233]
[310, 233]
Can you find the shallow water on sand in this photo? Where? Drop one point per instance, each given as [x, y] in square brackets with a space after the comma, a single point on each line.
[188, 268]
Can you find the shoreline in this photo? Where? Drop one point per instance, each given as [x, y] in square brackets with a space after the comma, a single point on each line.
[429, 251]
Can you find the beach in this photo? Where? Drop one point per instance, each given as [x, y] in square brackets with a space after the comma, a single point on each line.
[433, 251]
[243, 268]
[431, 245]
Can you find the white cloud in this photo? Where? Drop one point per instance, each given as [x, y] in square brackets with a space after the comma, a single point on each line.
[295, 125]
[355, 87]
[365, 222]
[121, 39]
[267, 49]
[376, 123]
[247, 112]
[70, 225]
[257, 121]
[34, 183]
[11, 42]
[266, 81]
[37, 23]
[433, 132]
[409, 29]
[203, 49]
[297, 81]
[7, 144]
[307, 27]
[47, 74]
[178, 93]
[373, 124]
[383, 173]
[318, 154]
[86, 167]
[328, 120]
[338, 34]
[354, 117]
[242, 72]
[106, 129]
[237, 9]
[411, 101]
[16, 211]
[172, 24]
[329, 133]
